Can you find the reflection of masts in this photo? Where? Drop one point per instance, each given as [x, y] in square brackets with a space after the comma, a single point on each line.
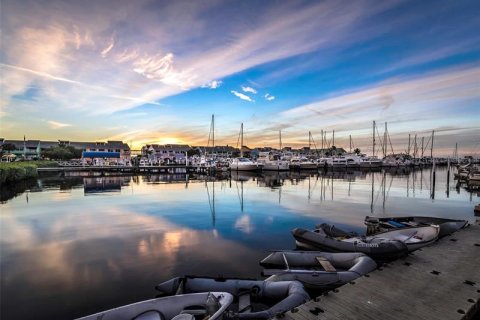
[384, 180]
[211, 203]
[240, 194]
[241, 140]
[279, 195]
[373, 189]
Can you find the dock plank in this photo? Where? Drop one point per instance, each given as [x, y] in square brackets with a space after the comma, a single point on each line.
[441, 281]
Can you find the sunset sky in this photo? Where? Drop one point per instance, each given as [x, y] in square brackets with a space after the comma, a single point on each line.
[148, 71]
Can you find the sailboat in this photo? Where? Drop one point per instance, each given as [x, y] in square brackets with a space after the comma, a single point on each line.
[242, 164]
[273, 161]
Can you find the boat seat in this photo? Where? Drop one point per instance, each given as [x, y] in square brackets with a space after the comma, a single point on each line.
[326, 264]
[150, 315]
[244, 304]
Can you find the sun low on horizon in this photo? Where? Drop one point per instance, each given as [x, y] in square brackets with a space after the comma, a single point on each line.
[154, 72]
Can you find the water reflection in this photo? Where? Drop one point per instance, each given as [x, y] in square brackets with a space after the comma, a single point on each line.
[65, 253]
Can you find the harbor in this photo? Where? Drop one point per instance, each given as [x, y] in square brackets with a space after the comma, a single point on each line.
[119, 229]
[240, 160]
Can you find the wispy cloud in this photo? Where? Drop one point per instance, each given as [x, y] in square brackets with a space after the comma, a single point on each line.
[269, 97]
[249, 89]
[57, 125]
[242, 96]
[108, 48]
[150, 60]
[214, 84]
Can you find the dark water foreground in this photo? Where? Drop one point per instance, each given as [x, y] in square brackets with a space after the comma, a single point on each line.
[74, 246]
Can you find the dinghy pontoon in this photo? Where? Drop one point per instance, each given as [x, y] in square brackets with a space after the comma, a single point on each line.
[181, 307]
[251, 295]
[447, 226]
[317, 270]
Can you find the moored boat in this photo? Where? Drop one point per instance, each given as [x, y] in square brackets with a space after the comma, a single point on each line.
[272, 162]
[377, 250]
[414, 238]
[317, 270]
[181, 307]
[382, 246]
[243, 164]
[251, 295]
[447, 226]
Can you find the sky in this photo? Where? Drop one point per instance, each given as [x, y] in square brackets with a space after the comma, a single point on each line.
[149, 71]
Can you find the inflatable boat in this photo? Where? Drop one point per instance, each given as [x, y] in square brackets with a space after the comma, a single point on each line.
[382, 246]
[180, 307]
[447, 226]
[317, 270]
[253, 298]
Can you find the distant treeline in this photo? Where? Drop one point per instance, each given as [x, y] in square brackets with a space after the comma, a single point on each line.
[17, 171]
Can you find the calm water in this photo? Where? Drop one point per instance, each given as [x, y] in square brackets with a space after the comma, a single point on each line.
[74, 246]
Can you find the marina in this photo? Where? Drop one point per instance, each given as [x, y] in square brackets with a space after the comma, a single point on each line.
[111, 239]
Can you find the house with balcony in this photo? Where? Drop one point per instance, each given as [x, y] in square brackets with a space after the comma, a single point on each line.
[156, 154]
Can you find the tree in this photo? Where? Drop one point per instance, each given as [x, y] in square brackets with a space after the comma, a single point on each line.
[7, 147]
[357, 150]
[62, 153]
[193, 152]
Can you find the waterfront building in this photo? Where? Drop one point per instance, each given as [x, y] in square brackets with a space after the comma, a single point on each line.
[32, 149]
[218, 151]
[157, 154]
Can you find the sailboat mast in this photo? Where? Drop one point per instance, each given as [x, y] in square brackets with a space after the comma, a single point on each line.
[385, 141]
[322, 142]
[409, 144]
[241, 140]
[373, 147]
[213, 131]
[350, 143]
[422, 147]
[431, 149]
[280, 136]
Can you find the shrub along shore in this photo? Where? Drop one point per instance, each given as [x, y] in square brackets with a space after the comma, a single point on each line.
[17, 171]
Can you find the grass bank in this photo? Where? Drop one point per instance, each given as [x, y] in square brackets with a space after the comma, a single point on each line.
[17, 171]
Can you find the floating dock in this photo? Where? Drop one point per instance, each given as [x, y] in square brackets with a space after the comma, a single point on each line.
[441, 281]
[126, 169]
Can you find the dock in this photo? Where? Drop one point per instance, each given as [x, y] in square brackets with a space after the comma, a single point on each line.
[103, 170]
[441, 281]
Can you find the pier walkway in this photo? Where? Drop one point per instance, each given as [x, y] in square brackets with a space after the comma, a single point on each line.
[441, 282]
[126, 169]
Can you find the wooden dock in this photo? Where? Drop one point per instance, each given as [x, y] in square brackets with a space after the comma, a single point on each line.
[441, 281]
[126, 169]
